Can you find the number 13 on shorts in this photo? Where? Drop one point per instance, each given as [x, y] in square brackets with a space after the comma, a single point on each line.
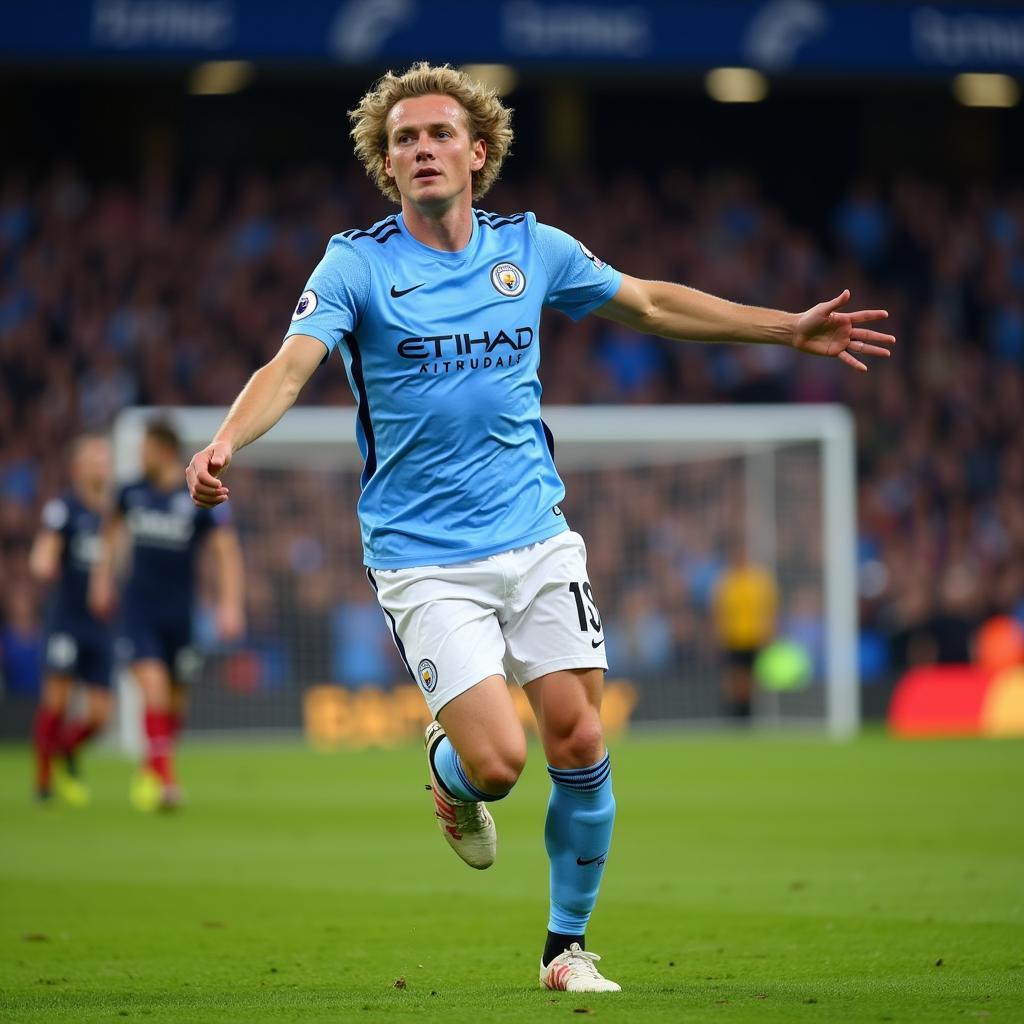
[586, 606]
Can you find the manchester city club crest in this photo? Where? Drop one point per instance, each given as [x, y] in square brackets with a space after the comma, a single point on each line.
[508, 279]
[427, 674]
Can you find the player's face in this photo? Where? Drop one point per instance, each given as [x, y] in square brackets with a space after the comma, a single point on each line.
[149, 456]
[155, 458]
[92, 466]
[431, 156]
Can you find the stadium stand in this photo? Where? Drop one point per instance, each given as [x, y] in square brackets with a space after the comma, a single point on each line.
[171, 292]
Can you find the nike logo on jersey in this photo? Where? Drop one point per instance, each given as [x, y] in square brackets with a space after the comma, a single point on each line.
[396, 294]
[596, 643]
[593, 860]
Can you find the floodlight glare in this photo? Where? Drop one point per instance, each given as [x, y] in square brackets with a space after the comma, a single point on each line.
[219, 77]
[502, 78]
[736, 85]
[986, 90]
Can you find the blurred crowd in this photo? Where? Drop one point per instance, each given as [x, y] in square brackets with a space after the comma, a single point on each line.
[171, 293]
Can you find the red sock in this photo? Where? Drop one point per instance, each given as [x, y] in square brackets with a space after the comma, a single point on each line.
[45, 733]
[74, 734]
[159, 745]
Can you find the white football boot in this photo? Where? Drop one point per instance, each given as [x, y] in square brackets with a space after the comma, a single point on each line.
[575, 971]
[468, 828]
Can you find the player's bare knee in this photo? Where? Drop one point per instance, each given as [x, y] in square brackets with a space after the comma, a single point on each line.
[500, 779]
[99, 712]
[500, 771]
[56, 693]
[582, 745]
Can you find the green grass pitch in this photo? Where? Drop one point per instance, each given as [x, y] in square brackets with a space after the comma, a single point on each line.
[766, 880]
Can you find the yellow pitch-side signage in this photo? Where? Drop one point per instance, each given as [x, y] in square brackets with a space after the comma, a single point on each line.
[338, 717]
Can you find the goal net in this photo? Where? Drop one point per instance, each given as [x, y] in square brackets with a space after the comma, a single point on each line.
[664, 497]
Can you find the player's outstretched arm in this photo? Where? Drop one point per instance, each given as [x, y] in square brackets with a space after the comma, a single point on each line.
[675, 311]
[45, 554]
[270, 393]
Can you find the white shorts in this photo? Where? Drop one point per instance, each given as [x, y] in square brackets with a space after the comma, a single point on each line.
[519, 614]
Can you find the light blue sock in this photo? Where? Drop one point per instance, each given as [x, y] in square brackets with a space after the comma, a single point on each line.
[448, 768]
[577, 835]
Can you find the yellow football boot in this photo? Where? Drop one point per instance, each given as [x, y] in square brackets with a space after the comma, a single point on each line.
[74, 792]
[146, 792]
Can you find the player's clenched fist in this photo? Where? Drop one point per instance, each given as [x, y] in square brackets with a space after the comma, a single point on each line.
[203, 472]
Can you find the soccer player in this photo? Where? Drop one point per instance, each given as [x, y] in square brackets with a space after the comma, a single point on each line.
[436, 312]
[78, 645]
[165, 532]
[744, 610]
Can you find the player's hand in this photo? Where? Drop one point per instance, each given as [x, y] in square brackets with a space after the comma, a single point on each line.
[230, 622]
[102, 596]
[203, 475]
[824, 331]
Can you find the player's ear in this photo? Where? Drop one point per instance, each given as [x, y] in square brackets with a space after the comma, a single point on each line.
[388, 169]
[479, 154]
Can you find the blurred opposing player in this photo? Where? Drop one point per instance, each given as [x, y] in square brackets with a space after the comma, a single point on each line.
[158, 527]
[78, 645]
[436, 312]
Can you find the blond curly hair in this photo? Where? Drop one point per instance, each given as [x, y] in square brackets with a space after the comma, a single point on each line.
[489, 119]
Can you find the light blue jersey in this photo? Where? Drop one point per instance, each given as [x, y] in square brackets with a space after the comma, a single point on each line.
[441, 351]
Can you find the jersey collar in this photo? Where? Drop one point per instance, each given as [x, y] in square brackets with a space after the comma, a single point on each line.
[440, 254]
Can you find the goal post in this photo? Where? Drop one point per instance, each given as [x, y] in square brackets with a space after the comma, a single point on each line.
[656, 491]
